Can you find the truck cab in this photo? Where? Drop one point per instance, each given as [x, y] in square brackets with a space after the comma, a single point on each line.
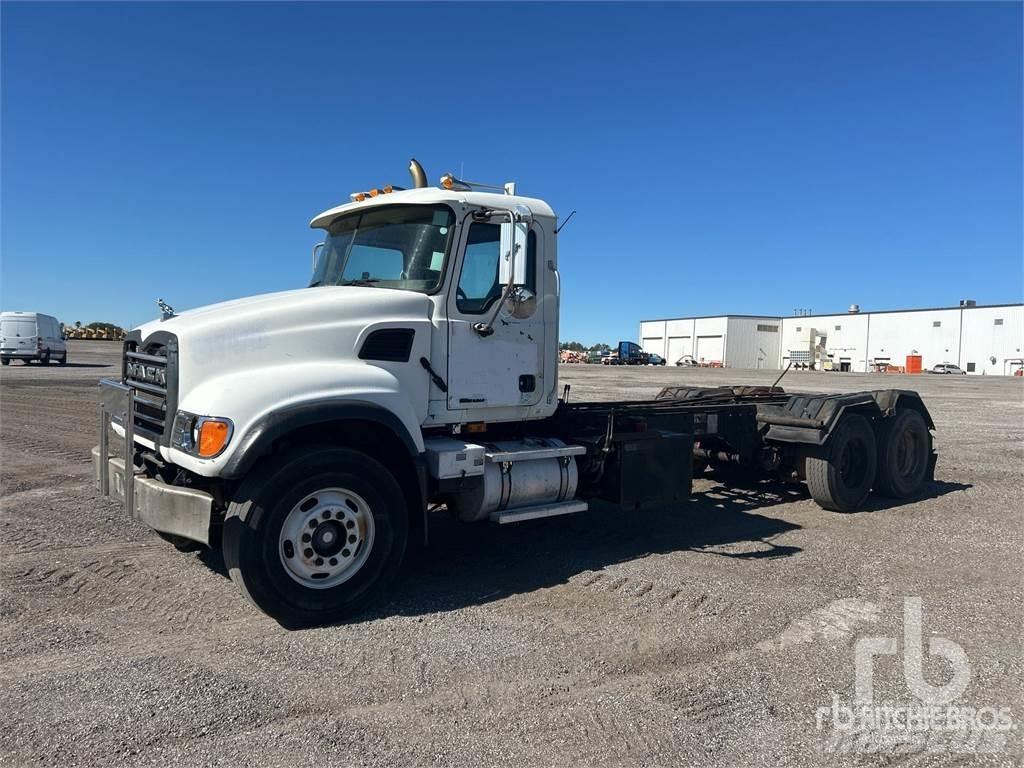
[309, 433]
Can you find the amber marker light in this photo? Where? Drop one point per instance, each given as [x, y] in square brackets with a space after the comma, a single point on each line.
[213, 437]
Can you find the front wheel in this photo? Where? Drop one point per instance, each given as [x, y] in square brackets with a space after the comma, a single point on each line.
[840, 479]
[45, 359]
[316, 538]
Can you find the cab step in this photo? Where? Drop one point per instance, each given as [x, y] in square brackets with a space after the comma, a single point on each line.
[537, 511]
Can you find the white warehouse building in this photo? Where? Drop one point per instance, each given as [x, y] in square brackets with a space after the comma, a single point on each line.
[985, 340]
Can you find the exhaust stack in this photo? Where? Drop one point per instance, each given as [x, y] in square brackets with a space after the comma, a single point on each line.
[419, 176]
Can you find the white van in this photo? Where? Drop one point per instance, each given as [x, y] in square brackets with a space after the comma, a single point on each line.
[31, 336]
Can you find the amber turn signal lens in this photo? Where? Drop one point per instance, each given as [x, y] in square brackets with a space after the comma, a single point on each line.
[213, 436]
[360, 197]
[388, 189]
[374, 192]
[447, 181]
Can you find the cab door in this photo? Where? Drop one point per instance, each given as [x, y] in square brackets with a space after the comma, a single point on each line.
[504, 369]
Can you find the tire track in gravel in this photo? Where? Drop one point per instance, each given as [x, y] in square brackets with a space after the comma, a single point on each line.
[102, 577]
[652, 596]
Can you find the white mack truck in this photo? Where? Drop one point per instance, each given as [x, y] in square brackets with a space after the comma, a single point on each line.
[310, 433]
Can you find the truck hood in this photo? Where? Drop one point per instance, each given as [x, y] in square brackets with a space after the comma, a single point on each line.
[263, 333]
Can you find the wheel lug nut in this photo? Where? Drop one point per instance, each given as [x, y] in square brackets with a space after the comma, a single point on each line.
[326, 514]
[345, 552]
[306, 538]
[334, 561]
[349, 524]
[307, 552]
[319, 561]
[314, 523]
[352, 539]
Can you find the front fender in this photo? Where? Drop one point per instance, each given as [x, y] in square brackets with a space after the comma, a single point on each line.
[263, 403]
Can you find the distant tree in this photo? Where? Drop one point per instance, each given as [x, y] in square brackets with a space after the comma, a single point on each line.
[78, 323]
[572, 346]
[600, 348]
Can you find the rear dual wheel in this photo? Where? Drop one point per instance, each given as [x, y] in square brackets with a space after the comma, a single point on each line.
[894, 462]
[904, 450]
[841, 478]
[316, 537]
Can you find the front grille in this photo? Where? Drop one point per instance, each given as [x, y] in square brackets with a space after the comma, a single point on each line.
[146, 370]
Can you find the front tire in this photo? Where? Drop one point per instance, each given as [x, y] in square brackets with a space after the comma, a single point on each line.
[841, 478]
[45, 359]
[315, 537]
[64, 360]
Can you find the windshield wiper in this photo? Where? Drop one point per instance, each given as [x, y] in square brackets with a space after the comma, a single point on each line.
[364, 281]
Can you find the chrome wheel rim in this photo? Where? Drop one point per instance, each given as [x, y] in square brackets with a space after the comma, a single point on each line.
[326, 538]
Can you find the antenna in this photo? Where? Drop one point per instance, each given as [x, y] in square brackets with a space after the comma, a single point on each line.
[559, 229]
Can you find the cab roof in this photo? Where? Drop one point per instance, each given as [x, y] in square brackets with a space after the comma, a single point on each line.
[432, 195]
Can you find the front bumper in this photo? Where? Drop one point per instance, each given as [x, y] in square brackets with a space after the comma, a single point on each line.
[168, 508]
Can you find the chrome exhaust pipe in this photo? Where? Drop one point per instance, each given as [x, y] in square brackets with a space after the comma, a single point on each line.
[419, 176]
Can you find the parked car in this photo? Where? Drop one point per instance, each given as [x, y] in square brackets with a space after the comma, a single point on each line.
[653, 359]
[686, 360]
[31, 336]
[948, 368]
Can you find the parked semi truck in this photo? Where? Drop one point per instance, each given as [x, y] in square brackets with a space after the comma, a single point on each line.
[311, 433]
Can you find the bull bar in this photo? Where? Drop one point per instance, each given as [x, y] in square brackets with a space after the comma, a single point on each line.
[167, 508]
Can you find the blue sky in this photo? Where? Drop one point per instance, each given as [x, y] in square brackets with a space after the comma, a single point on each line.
[722, 158]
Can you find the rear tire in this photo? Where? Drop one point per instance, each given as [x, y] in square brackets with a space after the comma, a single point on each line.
[289, 570]
[904, 449]
[45, 359]
[841, 478]
[5, 361]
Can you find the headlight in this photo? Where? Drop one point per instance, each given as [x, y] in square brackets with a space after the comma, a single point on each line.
[202, 436]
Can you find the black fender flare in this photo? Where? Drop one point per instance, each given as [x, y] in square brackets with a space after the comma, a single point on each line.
[810, 419]
[268, 429]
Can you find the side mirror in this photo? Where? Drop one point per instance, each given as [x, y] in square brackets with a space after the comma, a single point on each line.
[512, 248]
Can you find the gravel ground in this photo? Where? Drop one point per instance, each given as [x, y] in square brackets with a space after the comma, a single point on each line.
[703, 635]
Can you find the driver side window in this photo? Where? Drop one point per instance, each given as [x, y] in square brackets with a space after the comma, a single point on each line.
[478, 287]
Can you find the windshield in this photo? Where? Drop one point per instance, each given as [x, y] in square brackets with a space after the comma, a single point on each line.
[400, 246]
